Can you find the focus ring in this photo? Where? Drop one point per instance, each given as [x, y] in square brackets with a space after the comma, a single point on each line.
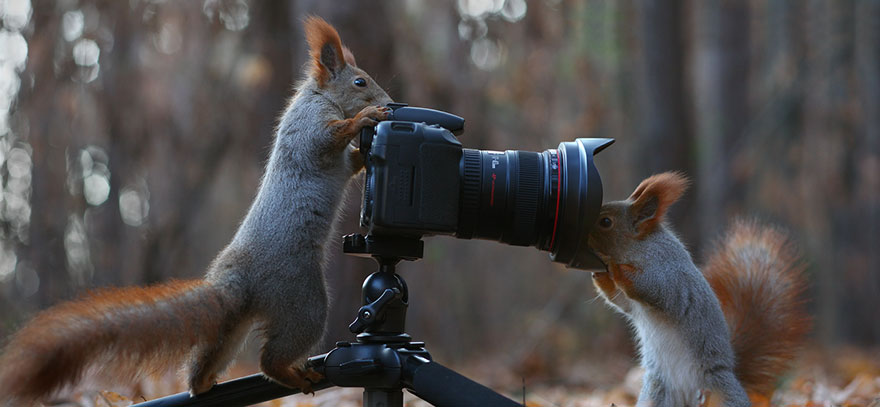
[470, 192]
[526, 199]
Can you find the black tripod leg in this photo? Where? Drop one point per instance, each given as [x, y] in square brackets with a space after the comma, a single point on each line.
[443, 387]
[240, 392]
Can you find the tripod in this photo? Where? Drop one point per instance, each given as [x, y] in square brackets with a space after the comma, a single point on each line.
[383, 361]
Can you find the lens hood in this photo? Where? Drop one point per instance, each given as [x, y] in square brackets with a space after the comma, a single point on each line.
[580, 198]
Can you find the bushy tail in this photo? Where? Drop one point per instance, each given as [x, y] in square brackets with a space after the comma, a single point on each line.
[122, 332]
[758, 277]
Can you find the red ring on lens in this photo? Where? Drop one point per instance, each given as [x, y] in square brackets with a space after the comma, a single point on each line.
[558, 194]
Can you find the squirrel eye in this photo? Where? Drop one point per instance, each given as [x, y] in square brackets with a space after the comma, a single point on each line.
[605, 223]
[360, 82]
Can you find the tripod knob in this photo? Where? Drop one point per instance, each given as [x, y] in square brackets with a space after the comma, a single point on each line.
[370, 313]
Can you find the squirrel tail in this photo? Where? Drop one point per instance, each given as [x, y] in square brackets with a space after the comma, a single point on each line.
[758, 277]
[123, 333]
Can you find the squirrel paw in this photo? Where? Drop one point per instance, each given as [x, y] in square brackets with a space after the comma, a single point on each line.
[371, 115]
[307, 378]
[298, 378]
[343, 131]
[202, 386]
[605, 283]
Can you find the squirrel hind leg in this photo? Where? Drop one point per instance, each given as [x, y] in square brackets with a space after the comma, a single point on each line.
[282, 361]
[287, 343]
[209, 360]
[725, 383]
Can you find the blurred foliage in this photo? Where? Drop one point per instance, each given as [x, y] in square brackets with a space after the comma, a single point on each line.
[133, 134]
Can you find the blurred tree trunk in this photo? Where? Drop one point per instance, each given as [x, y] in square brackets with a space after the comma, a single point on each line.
[108, 230]
[665, 141]
[827, 157]
[867, 63]
[721, 109]
[279, 37]
[48, 116]
[856, 108]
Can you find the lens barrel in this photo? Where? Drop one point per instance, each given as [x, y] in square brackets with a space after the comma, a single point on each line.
[506, 196]
[548, 200]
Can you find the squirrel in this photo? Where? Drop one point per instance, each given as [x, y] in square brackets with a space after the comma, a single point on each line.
[731, 329]
[269, 277]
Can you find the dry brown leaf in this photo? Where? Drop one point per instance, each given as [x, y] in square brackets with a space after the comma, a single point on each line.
[111, 399]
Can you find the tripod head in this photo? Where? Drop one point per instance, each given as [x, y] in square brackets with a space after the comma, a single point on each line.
[382, 318]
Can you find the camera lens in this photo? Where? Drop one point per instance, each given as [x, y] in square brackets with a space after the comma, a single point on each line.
[548, 200]
[420, 181]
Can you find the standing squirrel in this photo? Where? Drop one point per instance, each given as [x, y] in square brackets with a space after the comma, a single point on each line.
[270, 276]
[731, 329]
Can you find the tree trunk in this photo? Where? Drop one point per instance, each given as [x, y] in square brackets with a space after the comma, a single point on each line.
[665, 140]
[722, 62]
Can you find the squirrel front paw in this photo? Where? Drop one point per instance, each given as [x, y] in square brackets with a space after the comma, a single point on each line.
[370, 116]
[605, 284]
[343, 131]
[297, 378]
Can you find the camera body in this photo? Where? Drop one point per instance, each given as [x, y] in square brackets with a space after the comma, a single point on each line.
[421, 181]
[412, 181]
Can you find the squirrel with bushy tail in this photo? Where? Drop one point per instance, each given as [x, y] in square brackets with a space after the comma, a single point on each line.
[270, 276]
[724, 334]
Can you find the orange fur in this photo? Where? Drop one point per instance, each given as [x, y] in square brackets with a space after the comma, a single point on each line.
[759, 400]
[622, 276]
[757, 276]
[666, 188]
[344, 130]
[318, 34]
[603, 282]
[54, 349]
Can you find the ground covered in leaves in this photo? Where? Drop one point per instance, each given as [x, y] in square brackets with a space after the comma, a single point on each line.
[844, 378]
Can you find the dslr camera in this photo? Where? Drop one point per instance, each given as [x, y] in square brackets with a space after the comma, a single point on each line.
[420, 181]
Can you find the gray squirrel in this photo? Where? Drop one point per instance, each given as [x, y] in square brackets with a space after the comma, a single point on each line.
[731, 329]
[269, 277]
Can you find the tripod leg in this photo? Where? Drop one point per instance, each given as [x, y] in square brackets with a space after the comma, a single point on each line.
[443, 387]
[240, 392]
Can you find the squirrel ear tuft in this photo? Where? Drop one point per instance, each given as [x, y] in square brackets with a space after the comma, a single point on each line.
[348, 56]
[325, 48]
[653, 197]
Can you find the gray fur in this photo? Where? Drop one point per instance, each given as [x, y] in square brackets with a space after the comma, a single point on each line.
[682, 335]
[677, 297]
[275, 262]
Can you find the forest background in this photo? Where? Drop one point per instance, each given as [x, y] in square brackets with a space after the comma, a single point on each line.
[133, 136]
